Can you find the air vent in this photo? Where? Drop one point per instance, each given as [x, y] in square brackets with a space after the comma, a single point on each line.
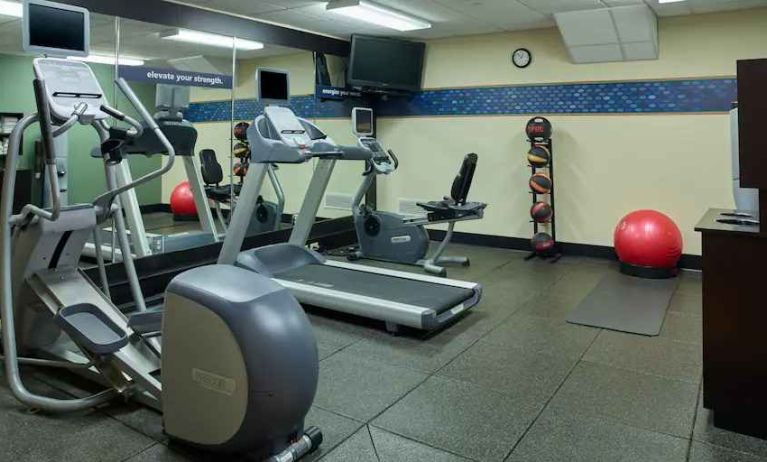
[410, 207]
[626, 33]
[339, 201]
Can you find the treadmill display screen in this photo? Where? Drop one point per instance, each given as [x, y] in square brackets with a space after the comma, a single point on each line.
[56, 28]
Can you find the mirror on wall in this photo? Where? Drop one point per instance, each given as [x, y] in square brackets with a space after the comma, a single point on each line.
[207, 106]
[198, 86]
[286, 185]
[330, 116]
[182, 77]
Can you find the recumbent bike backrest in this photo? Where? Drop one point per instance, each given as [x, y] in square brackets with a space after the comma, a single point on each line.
[462, 183]
[211, 170]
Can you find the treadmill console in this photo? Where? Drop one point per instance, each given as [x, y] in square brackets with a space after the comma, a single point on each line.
[288, 127]
[381, 161]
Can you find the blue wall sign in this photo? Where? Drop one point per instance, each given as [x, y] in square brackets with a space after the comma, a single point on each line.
[175, 77]
[335, 93]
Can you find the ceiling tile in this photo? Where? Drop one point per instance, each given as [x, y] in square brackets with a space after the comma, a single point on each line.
[559, 6]
[589, 27]
[635, 23]
[710, 6]
[670, 9]
[612, 3]
[450, 17]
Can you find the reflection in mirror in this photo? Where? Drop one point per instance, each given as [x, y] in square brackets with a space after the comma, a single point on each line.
[81, 177]
[332, 117]
[172, 70]
[288, 183]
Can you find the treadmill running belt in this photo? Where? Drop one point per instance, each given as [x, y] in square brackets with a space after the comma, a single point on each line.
[437, 297]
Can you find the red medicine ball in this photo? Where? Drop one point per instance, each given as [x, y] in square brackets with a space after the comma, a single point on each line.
[542, 243]
[648, 240]
[541, 212]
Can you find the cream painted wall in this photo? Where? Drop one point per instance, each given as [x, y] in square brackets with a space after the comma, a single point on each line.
[598, 181]
[607, 165]
[690, 46]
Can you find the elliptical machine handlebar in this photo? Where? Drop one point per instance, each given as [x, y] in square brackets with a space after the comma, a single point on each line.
[114, 113]
[394, 158]
[104, 201]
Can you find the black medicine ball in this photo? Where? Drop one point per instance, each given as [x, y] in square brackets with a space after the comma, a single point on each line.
[539, 156]
[538, 128]
[241, 131]
[540, 183]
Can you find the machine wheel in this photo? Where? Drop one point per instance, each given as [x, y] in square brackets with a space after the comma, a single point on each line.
[372, 225]
[262, 214]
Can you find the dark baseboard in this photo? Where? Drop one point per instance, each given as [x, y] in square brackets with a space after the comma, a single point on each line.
[693, 262]
[155, 208]
[165, 208]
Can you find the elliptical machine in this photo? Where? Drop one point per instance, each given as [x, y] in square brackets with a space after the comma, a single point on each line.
[397, 238]
[239, 361]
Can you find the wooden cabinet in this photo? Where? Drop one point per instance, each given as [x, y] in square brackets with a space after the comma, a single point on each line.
[734, 325]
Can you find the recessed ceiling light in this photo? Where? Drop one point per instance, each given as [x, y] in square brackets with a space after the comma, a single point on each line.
[105, 59]
[670, 1]
[13, 9]
[214, 40]
[378, 15]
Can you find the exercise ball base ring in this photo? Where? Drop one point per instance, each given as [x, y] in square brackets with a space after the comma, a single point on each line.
[648, 272]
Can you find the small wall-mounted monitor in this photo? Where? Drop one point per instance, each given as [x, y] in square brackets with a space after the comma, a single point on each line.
[172, 97]
[362, 121]
[55, 29]
[272, 87]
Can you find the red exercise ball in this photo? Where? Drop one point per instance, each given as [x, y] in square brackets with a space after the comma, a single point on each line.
[648, 239]
[182, 201]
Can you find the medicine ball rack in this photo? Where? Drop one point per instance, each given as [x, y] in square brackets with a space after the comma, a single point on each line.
[555, 252]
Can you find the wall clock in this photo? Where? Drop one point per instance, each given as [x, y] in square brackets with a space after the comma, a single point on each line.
[522, 57]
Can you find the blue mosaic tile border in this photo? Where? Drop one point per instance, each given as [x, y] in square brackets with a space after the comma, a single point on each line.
[709, 95]
[247, 109]
[695, 95]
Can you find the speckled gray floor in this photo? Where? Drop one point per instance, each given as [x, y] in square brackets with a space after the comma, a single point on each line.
[512, 381]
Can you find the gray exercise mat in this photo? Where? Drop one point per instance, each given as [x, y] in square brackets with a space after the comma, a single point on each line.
[626, 303]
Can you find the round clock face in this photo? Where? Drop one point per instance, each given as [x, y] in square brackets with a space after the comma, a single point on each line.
[522, 57]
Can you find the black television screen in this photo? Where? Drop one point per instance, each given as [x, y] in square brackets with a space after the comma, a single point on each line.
[381, 62]
[56, 28]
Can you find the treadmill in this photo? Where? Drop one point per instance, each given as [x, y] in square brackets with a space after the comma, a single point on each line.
[396, 297]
